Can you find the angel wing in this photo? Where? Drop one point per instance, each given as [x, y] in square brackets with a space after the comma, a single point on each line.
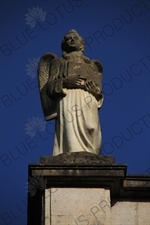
[48, 105]
[97, 78]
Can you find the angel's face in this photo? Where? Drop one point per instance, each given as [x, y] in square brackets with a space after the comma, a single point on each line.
[73, 42]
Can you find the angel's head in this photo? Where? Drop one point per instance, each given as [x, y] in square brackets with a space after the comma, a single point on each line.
[72, 42]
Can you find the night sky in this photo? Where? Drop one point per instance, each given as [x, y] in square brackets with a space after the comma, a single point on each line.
[117, 33]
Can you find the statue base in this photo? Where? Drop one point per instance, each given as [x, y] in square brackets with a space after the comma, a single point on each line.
[83, 188]
[77, 158]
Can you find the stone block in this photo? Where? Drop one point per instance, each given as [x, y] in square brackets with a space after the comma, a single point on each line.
[77, 206]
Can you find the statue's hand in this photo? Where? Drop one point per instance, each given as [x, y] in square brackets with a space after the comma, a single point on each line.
[73, 82]
[94, 89]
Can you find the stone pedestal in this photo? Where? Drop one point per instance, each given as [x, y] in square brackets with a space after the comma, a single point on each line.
[85, 189]
[74, 206]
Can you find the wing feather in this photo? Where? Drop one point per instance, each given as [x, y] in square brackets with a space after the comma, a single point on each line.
[48, 105]
[43, 68]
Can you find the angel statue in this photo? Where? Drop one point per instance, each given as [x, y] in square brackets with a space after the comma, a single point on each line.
[71, 93]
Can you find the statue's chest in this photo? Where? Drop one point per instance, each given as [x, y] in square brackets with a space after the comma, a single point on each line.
[81, 69]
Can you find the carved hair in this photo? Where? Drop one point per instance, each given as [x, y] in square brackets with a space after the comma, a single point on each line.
[63, 43]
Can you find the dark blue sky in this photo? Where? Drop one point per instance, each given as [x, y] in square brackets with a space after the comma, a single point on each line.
[117, 33]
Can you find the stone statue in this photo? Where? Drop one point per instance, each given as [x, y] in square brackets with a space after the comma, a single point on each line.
[71, 93]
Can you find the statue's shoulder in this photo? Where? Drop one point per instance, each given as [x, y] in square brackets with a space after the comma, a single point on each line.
[97, 65]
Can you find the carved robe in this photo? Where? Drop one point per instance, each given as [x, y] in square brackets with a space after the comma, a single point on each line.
[77, 123]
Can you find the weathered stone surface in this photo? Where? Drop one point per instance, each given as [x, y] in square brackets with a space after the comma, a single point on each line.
[92, 206]
[80, 206]
[89, 175]
[129, 194]
[47, 207]
[77, 158]
[130, 213]
[137, 181]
